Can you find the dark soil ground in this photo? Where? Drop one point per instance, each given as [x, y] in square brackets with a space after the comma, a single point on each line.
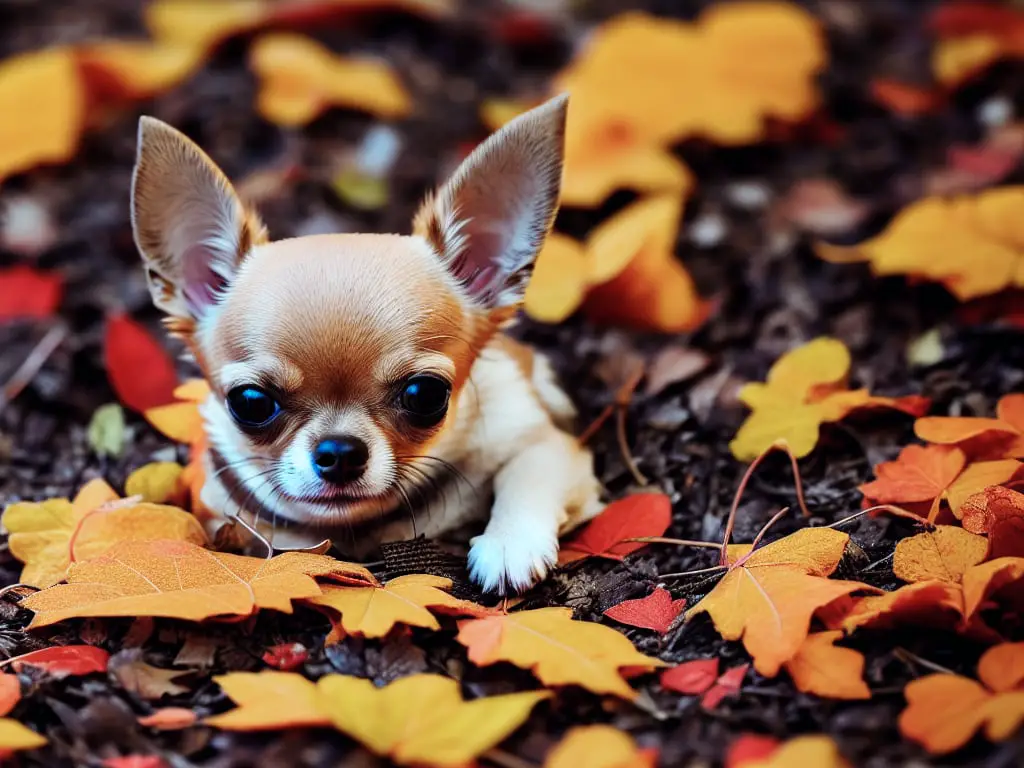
[773, 293]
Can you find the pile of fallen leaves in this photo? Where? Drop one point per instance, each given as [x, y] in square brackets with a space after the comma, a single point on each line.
[112, 573]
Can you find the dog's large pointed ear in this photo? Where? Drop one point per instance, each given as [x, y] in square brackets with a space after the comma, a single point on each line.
[490, 219]
[189, 224]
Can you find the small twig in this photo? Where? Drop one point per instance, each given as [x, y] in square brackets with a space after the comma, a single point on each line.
[32, 364]
[713, 569]
[730, 521]
[907, 657]
[506, 759]
[256, 534]
[877, 563]
[627, 456]
[12, 587]
[898, 511]
[680, 542]
[595, 425]
[767, 526]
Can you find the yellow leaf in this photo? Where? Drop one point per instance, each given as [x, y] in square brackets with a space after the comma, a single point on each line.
[824, 669]
[268, 700]
[558, 650]
[180, 580]
[422, 719]
[44, 90]
[802, 752]
[15, 737]
[157, 482]
[559, 280]
[944, 554]
[138, 70]
[99, 530]
[372, 611]
[598, 746]
[957, 59]
[300, 79]
[768, 599]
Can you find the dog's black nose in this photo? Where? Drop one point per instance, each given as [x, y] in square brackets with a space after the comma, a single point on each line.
[341, 460]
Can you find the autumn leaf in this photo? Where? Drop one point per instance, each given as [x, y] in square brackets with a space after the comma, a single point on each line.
[691, 678]
[180, 580]
[928, 238]
[259, 697]
[202, 24]
[372, 611]
[971, 36]
[598, 746]
[944, 710]
[728, 684]
[65, 660]
[635, 516]
[144, 680]
[943, 554]
[131, 70]
[15, 737]
[750, 749]
[181, 421]
[980, 438]
[657, 611]
[422, 719]
[932, 474]
[767, 599]
[824, 669]
[10, 693]
[300, 79]
[630, 259]
[50, 535]
[805, 388]
[44, 89]
[999, 513]
[992, 579]
[815, 750]
[558, 650]
[168, 719]
[28, 292]
[140, 370]
[286, 656]
[158, 483]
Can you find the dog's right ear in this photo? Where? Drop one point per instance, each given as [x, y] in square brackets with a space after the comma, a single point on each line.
[190, 226]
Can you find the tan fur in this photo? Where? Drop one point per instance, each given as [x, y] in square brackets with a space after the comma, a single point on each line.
[332, 324]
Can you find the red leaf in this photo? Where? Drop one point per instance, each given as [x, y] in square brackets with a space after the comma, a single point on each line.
[904, 98]
[286, 656]
[26, 292]
[691, 677]
[140, 370]
[657, 611]
[750, 748]
[134, 761]
[727, 684]
[960, 19]
[642, 514]
[63, 660]
[10, 693]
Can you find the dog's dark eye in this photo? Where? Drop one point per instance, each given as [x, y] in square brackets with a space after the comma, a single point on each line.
[252, 407]
[425, 399]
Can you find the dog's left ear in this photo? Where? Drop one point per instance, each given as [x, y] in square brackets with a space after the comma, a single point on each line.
[490, 219]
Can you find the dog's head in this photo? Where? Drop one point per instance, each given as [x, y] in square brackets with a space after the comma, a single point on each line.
[336, 361]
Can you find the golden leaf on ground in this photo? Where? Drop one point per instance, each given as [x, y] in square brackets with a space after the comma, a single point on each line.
[422, 719]
[43, 88]
[767, 599]
[373, 611]
[158, 482]
[558, 650]
[598, 746]
[181, 422]
[268, 700]
[15, 737]
[944, 554]
[801, 752]
[184, 581]
[300, 79]
[135, 70]
[824, 669]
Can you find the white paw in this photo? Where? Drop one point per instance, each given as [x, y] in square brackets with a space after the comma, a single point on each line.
[505, 563]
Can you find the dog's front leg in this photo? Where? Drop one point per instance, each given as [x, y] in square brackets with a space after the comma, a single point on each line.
[545, 489]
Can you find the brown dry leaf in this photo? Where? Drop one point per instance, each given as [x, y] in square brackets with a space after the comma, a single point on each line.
[44, 90]
[943, 554]
[373, 611]
[300, 79]
[599, 746]
[181, 580]
[767, 598]
[558, 650]
[824, 669]
[149, 682]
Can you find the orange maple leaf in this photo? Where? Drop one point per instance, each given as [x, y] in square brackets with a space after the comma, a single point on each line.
[626, 273]
[928, 238]
[971, 36]
[816, 750]
[825, 669]
[944, 711]
[372, 611]
[999, 513]
[943, 554]
[599, 746]
[767, 597]
[558, 650]
[805, 388]
[980, 438]
[181, 580]
[932, 474]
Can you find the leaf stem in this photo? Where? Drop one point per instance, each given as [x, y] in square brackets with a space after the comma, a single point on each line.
[680, 542]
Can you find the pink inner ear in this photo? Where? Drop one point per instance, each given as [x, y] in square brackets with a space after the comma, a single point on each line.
[201, 284]
[479, 267]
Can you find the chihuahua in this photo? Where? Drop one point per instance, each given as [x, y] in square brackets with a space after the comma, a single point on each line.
[362, 386]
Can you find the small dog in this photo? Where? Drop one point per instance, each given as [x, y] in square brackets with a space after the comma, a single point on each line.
[354, 376]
